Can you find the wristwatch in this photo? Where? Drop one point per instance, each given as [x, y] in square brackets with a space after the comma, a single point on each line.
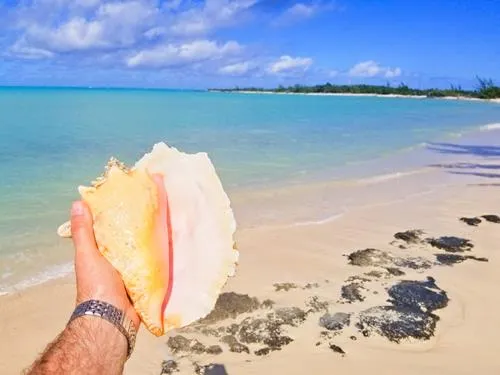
[112, 314]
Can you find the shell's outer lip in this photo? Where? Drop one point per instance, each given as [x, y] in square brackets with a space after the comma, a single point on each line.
[170, 259]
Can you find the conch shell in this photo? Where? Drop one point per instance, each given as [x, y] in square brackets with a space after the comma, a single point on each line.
[173, 246]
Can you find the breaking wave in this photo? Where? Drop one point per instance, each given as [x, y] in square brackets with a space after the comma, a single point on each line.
[51, 273]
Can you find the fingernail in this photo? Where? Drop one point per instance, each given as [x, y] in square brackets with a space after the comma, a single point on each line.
[77, 209]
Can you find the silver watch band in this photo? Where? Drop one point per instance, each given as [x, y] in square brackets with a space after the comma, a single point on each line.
[112, 314]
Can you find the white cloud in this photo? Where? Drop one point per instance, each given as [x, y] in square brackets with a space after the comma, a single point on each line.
[112, 25]
[146, 34]
[86, 3]
[212, 14]
[76, 34]
[65, 26]
[365, 69]
[171, 55]
[155, 32]
[287, 64]
[333, 73]
[172, 4]
[31, 53]
[391, 73]
[371, 68]
[192, 25]
[302, 11]
[237, 69]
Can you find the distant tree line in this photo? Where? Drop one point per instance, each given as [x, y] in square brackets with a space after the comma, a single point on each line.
[486, 89]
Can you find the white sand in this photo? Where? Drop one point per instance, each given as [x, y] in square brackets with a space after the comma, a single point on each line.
[365, 95]
[274, 250]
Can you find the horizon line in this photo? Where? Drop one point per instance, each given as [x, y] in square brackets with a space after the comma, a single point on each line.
[99, 87]
[205, 89]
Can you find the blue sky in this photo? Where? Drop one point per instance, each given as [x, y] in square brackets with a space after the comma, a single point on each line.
[224, 43]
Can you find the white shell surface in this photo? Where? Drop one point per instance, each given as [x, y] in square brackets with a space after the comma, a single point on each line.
[203, 227]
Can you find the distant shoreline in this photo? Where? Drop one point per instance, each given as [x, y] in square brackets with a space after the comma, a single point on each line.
[497, 101]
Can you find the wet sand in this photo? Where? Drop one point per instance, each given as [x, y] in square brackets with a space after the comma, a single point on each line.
[451, 327]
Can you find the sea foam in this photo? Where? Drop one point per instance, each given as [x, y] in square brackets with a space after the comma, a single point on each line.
[317, 222]
[50, 273]
[389, 176]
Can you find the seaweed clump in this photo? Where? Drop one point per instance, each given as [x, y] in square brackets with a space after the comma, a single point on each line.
[230, 305]
[472, 221]
[410, 236]
[451, 244]
[410, 314]
[335, 322]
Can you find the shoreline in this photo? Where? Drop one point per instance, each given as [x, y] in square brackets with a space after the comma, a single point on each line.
[273, 200]
[496, 101]
[29, 319]
[311, 259]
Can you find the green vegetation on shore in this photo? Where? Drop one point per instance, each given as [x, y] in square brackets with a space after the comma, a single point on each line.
[486, 89]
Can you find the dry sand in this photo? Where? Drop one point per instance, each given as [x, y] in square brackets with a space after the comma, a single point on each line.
[274, 250]
[364, 94]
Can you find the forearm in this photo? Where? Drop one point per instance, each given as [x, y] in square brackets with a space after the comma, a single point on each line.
[88, 345]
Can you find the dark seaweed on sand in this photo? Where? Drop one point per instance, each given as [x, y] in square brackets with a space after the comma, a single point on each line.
[410, 314]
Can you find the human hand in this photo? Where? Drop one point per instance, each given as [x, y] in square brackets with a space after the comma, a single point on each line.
[96, 278]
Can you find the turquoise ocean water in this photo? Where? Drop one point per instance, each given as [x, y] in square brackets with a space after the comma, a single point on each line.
[52, 140]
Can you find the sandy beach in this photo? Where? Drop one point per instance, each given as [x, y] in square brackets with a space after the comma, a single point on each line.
[330, 312]
[388, 96]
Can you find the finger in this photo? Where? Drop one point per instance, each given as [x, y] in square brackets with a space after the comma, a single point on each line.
[82, 232]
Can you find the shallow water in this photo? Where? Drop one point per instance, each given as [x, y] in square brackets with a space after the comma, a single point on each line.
[52, 140]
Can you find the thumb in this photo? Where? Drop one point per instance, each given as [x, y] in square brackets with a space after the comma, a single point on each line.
[82, 232]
